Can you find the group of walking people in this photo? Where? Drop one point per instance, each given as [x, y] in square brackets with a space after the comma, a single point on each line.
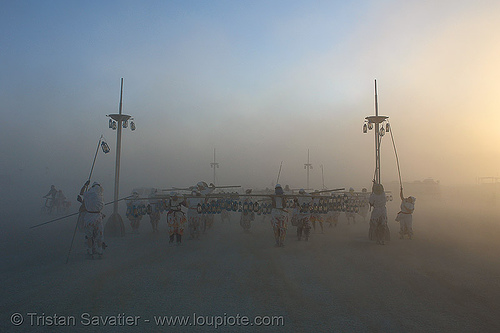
[303, 219]
[55, 199]
[175, 206]
[91, 217]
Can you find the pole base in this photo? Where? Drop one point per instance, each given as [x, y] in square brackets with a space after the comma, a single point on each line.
[114, 226]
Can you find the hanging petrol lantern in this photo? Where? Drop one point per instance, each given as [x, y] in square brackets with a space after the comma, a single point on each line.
[105, 147]
[114, 125]
[387, 127]
[125, 123]
[370, 126]
[365, 128]
[382, 130]
[110, 123]
[132, 126]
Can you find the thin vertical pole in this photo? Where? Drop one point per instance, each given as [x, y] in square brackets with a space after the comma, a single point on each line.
[377, 141]
[214, 166]
[279, 173]
[118, 151]
[95, 156]
[308, 169]
[323, 177]
[308, 166]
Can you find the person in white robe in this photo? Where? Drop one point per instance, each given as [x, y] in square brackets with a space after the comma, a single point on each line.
[316, 216]
[193, 215]
[350, 213]
[301, 215]
[134, 211]
[379, 230]
[332, 216]
[405, 216]
[92, 220]
[363, 204]
[154, 210]
[206, 219]
[279, 216]
[247, 214]
[176, 219]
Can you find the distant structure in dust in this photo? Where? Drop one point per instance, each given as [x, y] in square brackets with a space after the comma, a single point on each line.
[308, 166]
[427, 186]
[214, 165]
[488, 180]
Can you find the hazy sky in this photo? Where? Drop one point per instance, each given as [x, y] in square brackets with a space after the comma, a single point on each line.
[260, 81]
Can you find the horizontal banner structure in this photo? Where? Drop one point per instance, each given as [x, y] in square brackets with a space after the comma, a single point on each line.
[322, 205]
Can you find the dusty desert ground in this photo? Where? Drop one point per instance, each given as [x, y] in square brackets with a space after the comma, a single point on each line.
[447, 279]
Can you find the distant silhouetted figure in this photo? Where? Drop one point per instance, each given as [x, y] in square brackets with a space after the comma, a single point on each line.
[350, 213]
[363, 204]
[247, 215]
[60, 201]
[154, 210]
[134, 212]
[51, 198]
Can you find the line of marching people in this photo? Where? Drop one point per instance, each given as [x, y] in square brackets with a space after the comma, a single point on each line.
[90, 217]
[305, 220]
[299, 214]
[175, 207]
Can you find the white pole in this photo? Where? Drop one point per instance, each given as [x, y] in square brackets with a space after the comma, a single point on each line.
[308, 166]
[118, 151]
[377, 141]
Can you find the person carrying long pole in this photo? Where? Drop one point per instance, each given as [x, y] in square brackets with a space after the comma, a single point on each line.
[82, 211]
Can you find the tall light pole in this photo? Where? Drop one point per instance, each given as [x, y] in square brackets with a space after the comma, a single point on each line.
[114, 225]
[214, 165]
[308, 166]
[381, 125]
[322, 177]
